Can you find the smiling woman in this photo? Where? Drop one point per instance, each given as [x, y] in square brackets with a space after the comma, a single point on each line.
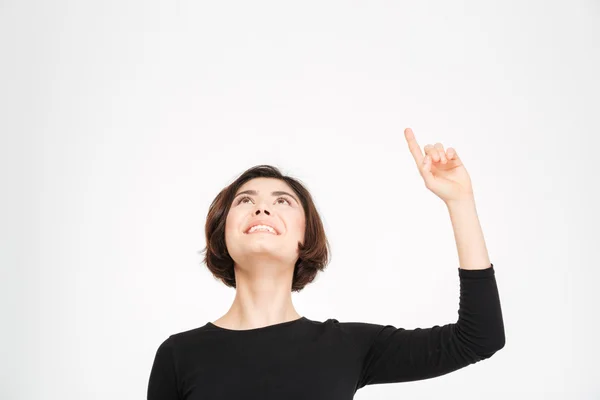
[264, 237]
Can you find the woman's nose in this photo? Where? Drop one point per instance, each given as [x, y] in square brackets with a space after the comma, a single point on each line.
[266, 212]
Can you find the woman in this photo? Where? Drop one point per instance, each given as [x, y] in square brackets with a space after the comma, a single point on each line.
[265, 238]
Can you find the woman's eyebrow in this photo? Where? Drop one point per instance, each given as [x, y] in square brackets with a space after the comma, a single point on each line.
[275, 193]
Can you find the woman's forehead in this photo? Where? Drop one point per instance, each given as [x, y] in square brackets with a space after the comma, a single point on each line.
[262, 184]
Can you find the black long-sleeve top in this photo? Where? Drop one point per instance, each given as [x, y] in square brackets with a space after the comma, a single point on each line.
[306, 359]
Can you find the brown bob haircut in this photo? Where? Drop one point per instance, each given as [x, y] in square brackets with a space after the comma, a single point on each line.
[314, 254]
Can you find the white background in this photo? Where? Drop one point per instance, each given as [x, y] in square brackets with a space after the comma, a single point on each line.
[121, 120]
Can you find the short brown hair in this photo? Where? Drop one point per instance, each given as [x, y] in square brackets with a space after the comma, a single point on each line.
[314, 254]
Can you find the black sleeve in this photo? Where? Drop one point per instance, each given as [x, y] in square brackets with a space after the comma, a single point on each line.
[162, 384]
[399, 355]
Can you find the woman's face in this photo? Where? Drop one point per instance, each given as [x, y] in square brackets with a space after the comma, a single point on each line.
[268, 201]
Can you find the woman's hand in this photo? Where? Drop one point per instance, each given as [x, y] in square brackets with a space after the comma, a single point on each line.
[443, 171]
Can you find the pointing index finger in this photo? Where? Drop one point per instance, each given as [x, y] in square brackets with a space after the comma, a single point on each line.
[413, 146]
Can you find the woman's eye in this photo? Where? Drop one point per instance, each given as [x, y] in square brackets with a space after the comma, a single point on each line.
[243, 198]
